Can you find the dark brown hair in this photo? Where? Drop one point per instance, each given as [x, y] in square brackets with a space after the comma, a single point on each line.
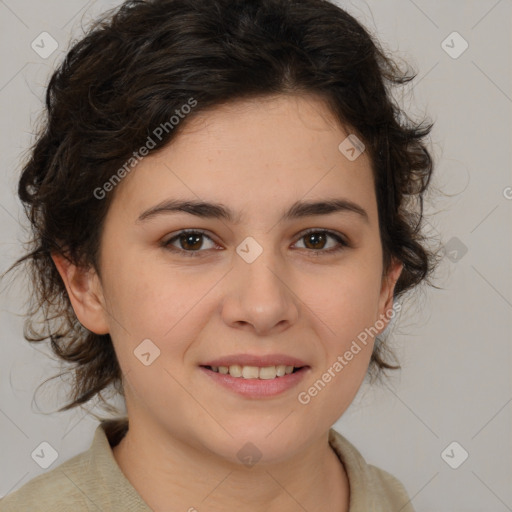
[142, 62]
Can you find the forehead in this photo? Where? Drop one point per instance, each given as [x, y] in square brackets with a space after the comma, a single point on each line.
[253, 154]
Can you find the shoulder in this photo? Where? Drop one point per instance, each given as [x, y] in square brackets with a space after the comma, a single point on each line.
[52, 491]
[90, 480]
[371, 488]
[387, 488]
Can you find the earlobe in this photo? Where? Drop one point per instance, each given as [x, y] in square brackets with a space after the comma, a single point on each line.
[85, 293]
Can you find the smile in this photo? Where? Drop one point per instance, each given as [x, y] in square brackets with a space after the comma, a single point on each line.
[256, 382]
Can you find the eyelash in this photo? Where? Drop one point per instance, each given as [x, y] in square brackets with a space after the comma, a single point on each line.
[321, 252]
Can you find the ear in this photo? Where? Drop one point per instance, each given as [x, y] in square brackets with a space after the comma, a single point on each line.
[387, 290]
[85, 293]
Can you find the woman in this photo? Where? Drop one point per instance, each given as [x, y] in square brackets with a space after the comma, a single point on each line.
[226, 205]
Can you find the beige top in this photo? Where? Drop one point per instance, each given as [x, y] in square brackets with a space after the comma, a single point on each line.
[92, 481]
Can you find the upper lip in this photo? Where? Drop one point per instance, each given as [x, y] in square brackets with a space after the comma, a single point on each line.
[254, 360]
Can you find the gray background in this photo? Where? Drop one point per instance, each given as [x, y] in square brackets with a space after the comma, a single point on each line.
[454, 344]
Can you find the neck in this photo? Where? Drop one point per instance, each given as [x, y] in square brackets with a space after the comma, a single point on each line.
[165, 471]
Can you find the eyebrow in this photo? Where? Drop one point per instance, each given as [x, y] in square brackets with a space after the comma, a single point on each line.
[210, 210]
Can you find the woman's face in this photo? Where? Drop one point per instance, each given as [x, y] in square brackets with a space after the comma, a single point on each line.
[252, 284]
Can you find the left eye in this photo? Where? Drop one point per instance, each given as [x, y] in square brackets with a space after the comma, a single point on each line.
[191, 242]
[314, 237]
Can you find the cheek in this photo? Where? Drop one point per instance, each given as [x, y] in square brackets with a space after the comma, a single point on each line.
[345, 300]
[160, 303]
[344, 314]
[347, 345]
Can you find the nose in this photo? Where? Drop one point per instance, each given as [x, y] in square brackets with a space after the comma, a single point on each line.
[260, 296]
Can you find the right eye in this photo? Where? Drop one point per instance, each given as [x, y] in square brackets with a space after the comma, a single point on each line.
[190, 241]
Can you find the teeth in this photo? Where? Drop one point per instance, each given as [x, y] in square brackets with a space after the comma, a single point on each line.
[269, 372]
[250, 372]
[235, 370]
[281, 370]
[254, 372]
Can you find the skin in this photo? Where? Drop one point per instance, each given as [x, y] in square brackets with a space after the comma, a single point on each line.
[257, 157]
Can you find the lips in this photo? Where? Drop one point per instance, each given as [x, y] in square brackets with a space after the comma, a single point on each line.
[255, 382]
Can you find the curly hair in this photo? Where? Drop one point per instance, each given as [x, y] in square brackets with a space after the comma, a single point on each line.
[135, 67]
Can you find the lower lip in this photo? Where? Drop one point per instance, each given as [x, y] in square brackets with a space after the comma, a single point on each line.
[257, 388]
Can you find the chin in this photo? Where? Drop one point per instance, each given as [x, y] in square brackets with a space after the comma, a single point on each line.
[258, 445]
